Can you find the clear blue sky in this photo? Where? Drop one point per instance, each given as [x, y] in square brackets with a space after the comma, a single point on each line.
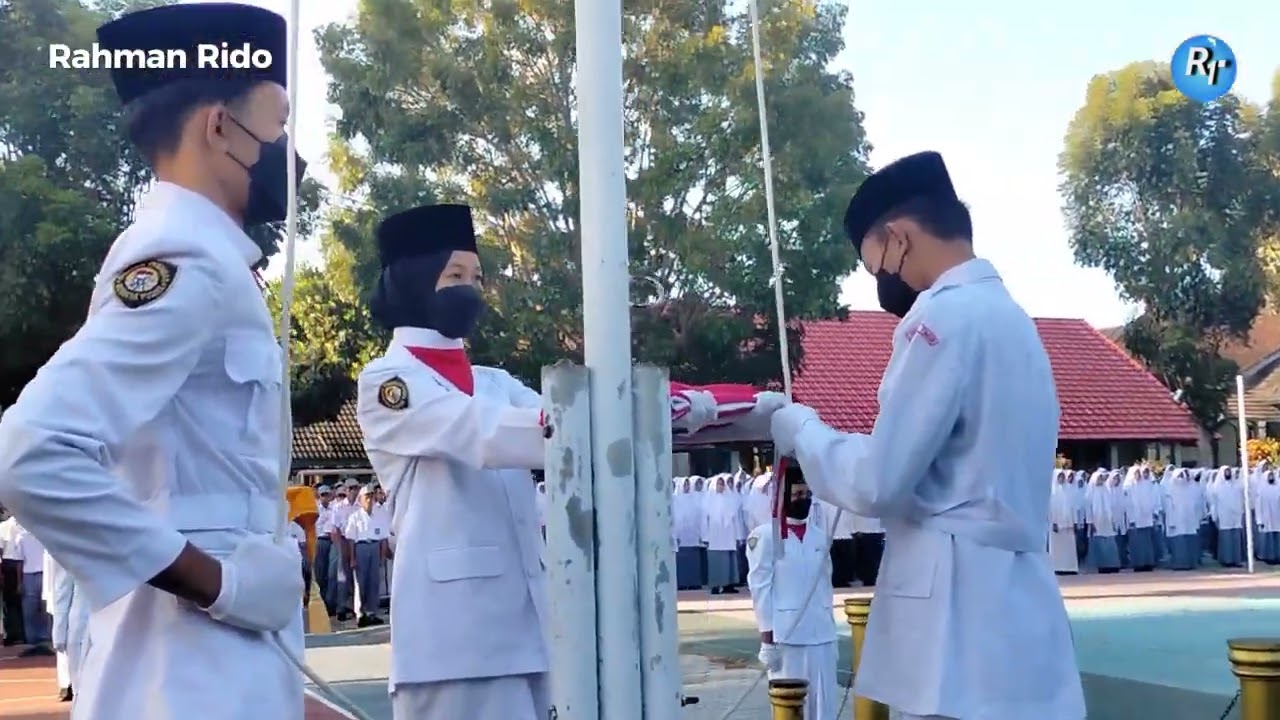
[992, 85]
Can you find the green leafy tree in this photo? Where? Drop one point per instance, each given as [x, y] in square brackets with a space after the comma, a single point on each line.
[474, 102]
[69, 179]
[1269, 249]
[331, 338]
[1172, 198]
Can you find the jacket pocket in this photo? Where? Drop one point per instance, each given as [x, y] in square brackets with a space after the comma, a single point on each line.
[465, 563]
[253, 364]
[910, 564]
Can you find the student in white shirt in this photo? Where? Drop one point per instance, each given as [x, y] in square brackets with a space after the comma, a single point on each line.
[11, 582]
[342, 567]
[35, 619]
[326, 576]
[299, 535]
[366, 530]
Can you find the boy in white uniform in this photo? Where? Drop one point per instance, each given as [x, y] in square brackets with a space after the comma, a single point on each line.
[366, 530]
[797, 630]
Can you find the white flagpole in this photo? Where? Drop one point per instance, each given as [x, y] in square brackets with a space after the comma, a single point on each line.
[606, 316]
[1244, 471]
[286, 307]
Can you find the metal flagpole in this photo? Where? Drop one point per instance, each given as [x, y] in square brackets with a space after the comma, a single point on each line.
[286, 308]
[1244, 471]
[607, 340]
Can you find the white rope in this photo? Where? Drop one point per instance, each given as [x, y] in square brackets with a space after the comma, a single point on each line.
[286, 307]
[779, 271]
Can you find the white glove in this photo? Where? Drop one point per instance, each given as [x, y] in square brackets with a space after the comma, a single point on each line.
[261, 585]
[769, 657]
[703, 410]
[767, 403]
[785, 425]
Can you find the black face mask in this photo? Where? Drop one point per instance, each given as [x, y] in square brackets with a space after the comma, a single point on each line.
[799, 509]
[895, 295]
[269, 179]
[454, 311]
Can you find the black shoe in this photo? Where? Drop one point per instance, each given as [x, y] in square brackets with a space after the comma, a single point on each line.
[65, 695]
[363, 621]
[375, 620]
[343, 616]
[9, 643]
[37, 651]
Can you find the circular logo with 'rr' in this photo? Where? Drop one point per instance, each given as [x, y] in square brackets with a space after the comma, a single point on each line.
[1204, 68]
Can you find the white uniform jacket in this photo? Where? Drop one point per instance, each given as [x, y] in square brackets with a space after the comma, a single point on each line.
[955, 469]
[159, 423]
[783, 594]
[468, 575]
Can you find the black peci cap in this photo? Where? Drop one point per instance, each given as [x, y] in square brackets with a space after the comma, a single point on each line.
[914, 176]
[185, 29]
[426, 230]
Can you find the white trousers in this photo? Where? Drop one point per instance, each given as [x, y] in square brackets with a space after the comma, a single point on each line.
[817, 665]
[75, 659]
[510, 697]
[62, 666]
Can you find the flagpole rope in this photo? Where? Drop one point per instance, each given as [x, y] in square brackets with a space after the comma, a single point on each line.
[784, 348]
[286, 308]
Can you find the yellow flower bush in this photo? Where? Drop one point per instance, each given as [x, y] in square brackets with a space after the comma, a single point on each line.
[1264, 449]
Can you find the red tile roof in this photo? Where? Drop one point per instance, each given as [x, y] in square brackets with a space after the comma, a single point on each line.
[1104, 394]
[333, 443]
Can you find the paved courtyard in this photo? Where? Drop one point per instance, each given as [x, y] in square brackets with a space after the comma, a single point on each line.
[1149, 646]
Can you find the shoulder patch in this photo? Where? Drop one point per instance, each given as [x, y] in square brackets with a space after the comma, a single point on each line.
[752, 541]
[924, 332]
[142, 282]
[393, 394]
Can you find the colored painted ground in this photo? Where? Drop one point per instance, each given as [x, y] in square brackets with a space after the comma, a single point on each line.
[28, 691]
[1150, 646]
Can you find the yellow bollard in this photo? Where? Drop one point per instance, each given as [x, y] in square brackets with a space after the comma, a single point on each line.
[1256, 661]
[856, 612]
[787, 698]
[304, 510]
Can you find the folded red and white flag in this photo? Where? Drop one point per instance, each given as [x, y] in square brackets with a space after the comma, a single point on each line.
[724, 412]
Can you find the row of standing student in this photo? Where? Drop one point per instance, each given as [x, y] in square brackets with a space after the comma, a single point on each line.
[1138, 519]
[712, 519]
[49, 616]
[353, 551]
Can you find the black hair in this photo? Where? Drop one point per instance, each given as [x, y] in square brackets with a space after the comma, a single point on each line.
[155, 120]
[405, 288]
[946, 218]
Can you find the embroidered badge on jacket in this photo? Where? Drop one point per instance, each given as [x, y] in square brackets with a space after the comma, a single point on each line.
[751, 542]
[143, 282]
[393, 394]
[923, 332]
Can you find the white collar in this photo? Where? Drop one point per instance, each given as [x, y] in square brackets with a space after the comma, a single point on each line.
[166, 194]
[423, 337]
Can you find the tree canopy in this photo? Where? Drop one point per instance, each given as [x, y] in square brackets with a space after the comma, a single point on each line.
[1174, 199]
[474, 102]
[69, 179]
